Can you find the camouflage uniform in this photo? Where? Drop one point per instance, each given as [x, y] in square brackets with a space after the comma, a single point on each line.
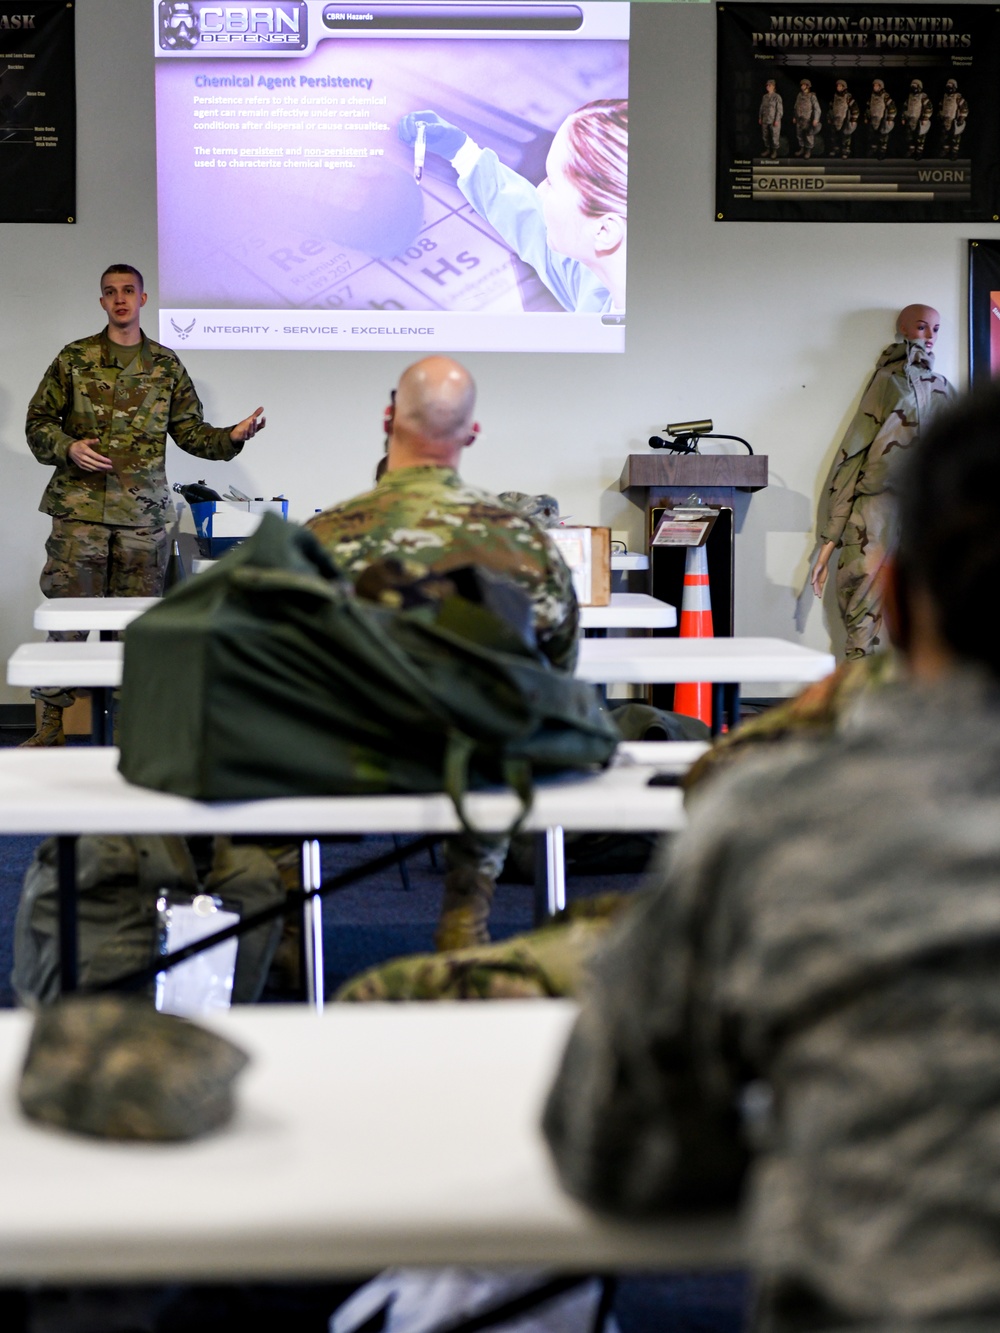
[108, 536]
[880, 118]
[901, 399]
[917, 112]
[428, 516]
[543, 963]
[841, 121]
[815, 712]
[807, 117]
[954, 114]
[769, 119]
[814, 986]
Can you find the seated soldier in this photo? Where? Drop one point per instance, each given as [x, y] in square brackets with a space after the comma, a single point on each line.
[813, 989]
[423, 513]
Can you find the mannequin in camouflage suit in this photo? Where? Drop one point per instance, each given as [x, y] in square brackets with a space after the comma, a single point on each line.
[901, 399]
[880, 117]
[769, 119]
[100, 418]
[807, 116]
[954, 115]
[841, 121]
[422, 512]
[917, 112]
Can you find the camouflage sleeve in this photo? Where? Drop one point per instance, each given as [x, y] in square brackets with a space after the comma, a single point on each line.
[46, 437]
[868, 420]
[643, 1114]
[840, 496]
[187, 425]
[815, 712]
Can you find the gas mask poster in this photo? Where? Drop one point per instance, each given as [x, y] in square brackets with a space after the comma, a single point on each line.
[37, 112]
[851, 113]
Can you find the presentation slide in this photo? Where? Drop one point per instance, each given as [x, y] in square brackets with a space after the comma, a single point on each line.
[420, 176]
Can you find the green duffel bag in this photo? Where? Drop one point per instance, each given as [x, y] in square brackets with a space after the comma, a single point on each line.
[268, 676]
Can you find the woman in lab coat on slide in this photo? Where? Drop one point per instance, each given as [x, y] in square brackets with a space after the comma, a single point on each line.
[571, 228]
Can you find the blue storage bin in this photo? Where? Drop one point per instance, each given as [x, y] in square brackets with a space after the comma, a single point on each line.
[209, 545]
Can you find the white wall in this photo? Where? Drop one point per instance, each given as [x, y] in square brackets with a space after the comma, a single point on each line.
[771, 329]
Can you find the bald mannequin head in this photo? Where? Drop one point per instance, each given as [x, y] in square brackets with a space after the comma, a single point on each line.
[432, 421]
[919, 322]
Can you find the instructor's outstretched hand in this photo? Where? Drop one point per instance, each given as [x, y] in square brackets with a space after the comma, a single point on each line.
[247, 428]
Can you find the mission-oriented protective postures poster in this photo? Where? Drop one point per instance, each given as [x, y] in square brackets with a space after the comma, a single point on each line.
[857, 113]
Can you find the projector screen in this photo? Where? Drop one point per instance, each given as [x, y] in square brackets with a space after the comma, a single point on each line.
[419, 176]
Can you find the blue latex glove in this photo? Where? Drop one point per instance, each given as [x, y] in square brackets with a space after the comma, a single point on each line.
[442, 138]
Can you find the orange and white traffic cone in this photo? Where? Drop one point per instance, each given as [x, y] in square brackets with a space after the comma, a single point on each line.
[695, 699]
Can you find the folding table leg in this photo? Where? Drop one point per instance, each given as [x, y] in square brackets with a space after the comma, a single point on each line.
[101, 728]
[732, 695]
[718, 708]
[550, 874]
[312, 923]
[68, 947]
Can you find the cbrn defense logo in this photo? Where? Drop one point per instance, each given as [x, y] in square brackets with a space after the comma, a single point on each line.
[211, 28]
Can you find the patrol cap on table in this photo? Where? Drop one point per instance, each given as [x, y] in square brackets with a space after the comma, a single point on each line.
[113, 1067]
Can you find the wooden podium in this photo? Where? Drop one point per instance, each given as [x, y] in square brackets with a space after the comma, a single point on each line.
[658, 480]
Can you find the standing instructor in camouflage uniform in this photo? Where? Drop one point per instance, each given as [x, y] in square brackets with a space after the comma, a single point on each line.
[101, 417]
[422, 512]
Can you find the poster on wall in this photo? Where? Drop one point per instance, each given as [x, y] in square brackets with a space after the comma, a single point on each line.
[37, 112]
[415, 176]
[984, 311]
[857, 113]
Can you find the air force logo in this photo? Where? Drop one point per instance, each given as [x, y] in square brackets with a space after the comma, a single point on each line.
[182, 332]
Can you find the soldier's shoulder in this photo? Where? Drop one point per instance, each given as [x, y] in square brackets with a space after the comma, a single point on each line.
[487, 504]
[160, 352]
[349, 512]
[81, 350]
[475, 496]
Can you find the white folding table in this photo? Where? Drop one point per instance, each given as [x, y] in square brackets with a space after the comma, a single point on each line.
[378, 1135]
[626, 610]
[642, 661]
[628, 560]
[107, 614]
[75, 790]
[726, 663]
[629, 610]
[76, 664]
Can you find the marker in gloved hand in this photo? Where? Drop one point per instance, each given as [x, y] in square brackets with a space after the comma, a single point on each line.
[438, 135]
[419, 152]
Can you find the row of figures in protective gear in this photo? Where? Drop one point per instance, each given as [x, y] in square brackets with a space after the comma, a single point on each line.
[915, 117]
